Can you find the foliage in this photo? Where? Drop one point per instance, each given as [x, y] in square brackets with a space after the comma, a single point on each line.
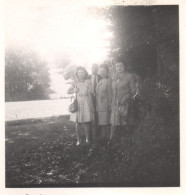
[26, 76]
[69, 72]
[146, 39]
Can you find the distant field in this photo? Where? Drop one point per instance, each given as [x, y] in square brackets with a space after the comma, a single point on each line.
[36, 109]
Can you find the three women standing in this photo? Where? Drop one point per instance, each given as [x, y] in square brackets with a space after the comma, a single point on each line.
[112, 98]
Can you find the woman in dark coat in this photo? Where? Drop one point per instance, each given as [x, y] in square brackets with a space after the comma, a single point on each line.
[123, 88]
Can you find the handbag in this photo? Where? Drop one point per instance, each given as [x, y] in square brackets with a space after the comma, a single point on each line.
[73, 106]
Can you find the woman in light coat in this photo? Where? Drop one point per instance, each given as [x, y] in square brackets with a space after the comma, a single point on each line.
[85, 113]
[103, 102]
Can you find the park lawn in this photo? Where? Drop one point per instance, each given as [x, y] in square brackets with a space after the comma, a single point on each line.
[43, 153]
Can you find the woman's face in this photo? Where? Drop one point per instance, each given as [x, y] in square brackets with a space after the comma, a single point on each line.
[102, 72]
[120, 67]
[81, 74]
[94, 69]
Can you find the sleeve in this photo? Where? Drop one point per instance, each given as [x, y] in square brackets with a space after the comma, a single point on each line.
[132, 86]
[71, 88]
[138, 84]
[89, 87]
[110, 93]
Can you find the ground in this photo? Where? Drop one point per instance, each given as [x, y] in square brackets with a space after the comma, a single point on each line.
[43, 153]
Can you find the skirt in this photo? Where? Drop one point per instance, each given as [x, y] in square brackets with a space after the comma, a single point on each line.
[85, 111]
[119, 114]
[103, 118]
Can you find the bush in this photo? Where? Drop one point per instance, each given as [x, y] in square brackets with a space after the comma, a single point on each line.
[26, 76]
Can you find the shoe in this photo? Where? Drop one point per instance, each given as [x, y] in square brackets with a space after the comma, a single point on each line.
[87, 141]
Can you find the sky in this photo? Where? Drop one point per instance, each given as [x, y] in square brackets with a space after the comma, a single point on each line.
[58, 31]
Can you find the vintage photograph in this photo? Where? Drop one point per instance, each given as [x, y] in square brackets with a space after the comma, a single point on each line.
[92, 96]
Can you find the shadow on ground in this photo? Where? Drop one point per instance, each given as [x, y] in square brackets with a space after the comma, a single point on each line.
[42, 153]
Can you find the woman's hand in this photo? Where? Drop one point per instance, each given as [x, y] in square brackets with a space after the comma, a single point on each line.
[89, 92]
[76, 90]
[109, 109]
[134, 96]
[123, 100]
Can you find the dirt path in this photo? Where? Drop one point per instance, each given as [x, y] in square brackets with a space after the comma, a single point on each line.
[36, 109]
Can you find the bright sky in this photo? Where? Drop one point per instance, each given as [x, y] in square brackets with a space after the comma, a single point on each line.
[57, 31]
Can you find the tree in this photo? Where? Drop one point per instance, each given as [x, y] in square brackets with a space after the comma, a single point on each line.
[26, 76]
[147, 40]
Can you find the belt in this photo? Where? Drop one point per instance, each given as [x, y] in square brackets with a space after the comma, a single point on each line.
[80, 95]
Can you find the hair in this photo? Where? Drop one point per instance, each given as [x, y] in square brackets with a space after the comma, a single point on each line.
[126, 67]
[121, 63]
[123, 60]
[94, 65]
[105, 67]
[81, 68]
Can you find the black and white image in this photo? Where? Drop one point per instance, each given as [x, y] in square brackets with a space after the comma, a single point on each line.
[92, 96]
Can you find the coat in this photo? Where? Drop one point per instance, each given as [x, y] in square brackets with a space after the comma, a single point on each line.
[103, 96]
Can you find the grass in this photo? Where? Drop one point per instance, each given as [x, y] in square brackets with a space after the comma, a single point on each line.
[43, 153]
